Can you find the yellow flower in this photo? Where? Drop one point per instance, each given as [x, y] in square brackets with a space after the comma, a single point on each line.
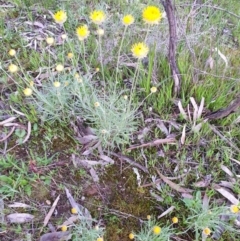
[78, 78]
[96, 227]
[151, 15]
[70, 55]
[97, 69]
[59, 68]
[174, 220]
[125, 97]
[156, 230]
[131, 236]
[64, 228]
[12, 68]
[60, 17]
[206, 231]
[31, 83]
[153, 89]
[140, 50]
[100, 32]
[234, 209]
[64, 36]
[100, 239]
[82, 32]
[56, 84]
[98, 17]
[50, 40]
[148, 217]
[12, 52]
[27, 92]
[74, 210]
[128, 20]
[96, 104]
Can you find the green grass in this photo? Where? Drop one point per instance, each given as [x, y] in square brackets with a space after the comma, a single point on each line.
[47, 168]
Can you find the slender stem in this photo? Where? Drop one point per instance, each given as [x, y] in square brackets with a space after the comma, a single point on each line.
[135, 77]
[147, 33]
[119, 51]
[101, 58]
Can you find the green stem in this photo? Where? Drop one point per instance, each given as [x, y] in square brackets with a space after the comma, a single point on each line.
[135, 77]
[119, 51]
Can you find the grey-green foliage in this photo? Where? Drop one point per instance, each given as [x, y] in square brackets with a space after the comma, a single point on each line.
[112, 121]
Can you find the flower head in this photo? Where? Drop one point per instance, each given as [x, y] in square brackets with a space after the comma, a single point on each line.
[234, 209]
[50, 40]
[151, 15]
[12, 52]
[148, 217]
[82, 32]
[100, 32]
[60, 17]
[128, 20]
[140, 50]
[156, 230]
[31, 83]
[74, 210]
[131, 236]
[100, 239]
[97, 16]
[27, 92]
[96, 104]
[174, 220]
[125, 97]
[59, 68]
[12, 68]
[206, 231]
[64, 228]
[70, 55]
[56, 84]
[153, 89]
[64, 36]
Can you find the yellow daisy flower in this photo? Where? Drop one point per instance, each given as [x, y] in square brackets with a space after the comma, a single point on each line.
[59, 68]
[156, 230]
[12, 52]
[74, 211]
[27, 92]
[60, 17]
[131, 236]
[82, 32]
[56, 84]
[70, 55]
[12, 68]
[97, 16]
[140, 50]
[31, 83]
[153, 89]
[50, 40]
[64, 228]
[206, 231]
[128, 20]
[151, 15]
[174, 220]
[100, 32]
[100, 239]
[96, 104]
[234, 209]
[64, 36]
